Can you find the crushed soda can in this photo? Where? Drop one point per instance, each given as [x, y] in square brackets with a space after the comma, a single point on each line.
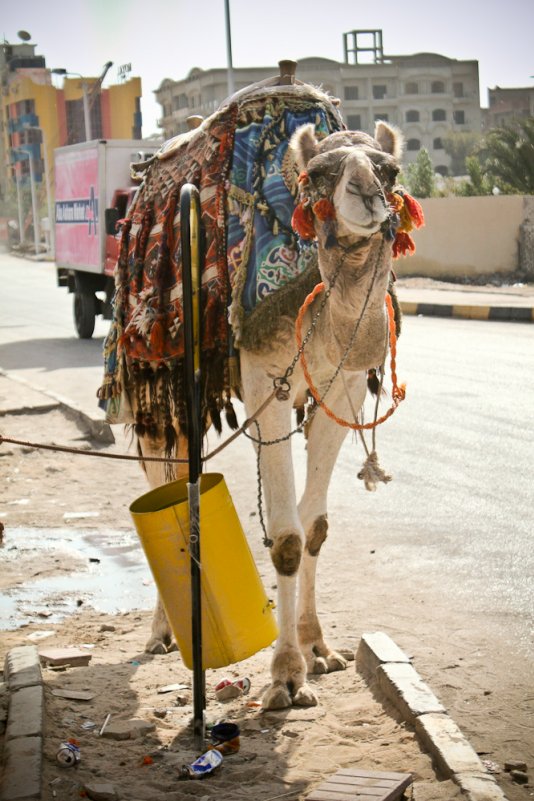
[68, 754]
[227, 689]
[202, 766]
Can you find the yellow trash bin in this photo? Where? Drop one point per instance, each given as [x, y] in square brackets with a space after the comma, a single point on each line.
[237, 617]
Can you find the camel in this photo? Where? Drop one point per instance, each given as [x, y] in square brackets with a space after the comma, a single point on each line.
[346, 205]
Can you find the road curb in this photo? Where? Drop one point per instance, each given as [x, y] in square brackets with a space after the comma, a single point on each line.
[464, 311]
[379, 658]
[97, 428]
[23, 749]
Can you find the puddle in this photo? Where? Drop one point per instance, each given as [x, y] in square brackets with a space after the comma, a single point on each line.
[119, 582]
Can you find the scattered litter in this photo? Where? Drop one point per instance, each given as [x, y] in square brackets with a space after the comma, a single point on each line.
[491, 766]
[181, 700]
[264, 731]
[40, 635]
[135, 662]
[147, 760]
[107, 627]
[74, 695]
[147, 582]
[227, 689]
[103, 727]
[87, 645]
[225, 738]
[20, 502]
[290, 733]
[68, 754]
[44, 613]
[170, 688]
[253, 704]
[94, 559]
[160, 713]
[73, 657]
[202, 766]
[79, 515]
[89, 725]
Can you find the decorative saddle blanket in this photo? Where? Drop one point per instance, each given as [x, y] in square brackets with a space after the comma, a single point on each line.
[254, 267]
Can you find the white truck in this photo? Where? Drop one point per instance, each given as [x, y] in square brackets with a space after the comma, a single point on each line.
[91, 177]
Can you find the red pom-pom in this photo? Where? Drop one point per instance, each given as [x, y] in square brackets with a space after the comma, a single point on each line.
[324, 210]
[403, 245]
[414, 209]
[302, 222]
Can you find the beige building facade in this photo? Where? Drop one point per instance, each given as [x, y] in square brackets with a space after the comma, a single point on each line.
[426, 95]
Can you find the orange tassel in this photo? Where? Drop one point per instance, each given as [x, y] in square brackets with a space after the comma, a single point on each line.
[324, 210]
[414, 210]
[302, 222]
[403, 245]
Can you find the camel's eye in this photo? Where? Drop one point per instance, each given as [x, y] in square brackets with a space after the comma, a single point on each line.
[386, 173]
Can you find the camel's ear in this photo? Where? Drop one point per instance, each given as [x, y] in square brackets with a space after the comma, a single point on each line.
[390, 139]
[304, 145]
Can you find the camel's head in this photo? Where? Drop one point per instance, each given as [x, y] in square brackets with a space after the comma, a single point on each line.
[351, 173]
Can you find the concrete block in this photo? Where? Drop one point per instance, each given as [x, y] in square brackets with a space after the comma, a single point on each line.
[479, 787]
[26, 712]
[403, 686]
[21, 778]
[450, 750]
[22, 668]
[376, 649]
[128, 729]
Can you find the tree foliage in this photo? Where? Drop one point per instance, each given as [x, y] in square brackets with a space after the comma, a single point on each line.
[420, 176]
[459, 146]
[507, 157]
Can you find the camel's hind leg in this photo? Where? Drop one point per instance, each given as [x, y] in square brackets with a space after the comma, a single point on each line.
[160, 640]
[324, 441]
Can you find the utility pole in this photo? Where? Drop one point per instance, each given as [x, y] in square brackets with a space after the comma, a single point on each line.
[230, 68]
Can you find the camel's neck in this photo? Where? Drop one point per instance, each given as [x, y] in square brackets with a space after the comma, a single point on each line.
[357, 274]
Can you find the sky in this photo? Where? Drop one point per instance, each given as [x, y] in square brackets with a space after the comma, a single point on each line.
[167, 38]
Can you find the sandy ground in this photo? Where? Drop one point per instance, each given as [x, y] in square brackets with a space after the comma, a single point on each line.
[283, 754]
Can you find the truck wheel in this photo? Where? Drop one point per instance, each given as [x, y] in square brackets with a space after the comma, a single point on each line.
[84, 313]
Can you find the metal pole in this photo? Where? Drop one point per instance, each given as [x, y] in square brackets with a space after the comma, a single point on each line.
[230, 68]
[19, 204]
[190, 220]
[35, 213]
[86, 111]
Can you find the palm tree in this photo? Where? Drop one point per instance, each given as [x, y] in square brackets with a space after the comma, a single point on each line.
[507, 156]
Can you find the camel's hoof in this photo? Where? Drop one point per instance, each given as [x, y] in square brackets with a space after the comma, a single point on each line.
[317, 665]
[276, 697]
[304, 696]
[172, 647]
[155, 646]
[335, 662]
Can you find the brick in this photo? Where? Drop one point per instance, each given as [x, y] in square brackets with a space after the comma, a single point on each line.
[73, 657]
[22, 769]
[404, 687]
[22, 668]
[376, 649]
[26, 713]
[450, 750]
[479, 787]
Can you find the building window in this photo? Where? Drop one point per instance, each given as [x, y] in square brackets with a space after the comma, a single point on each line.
[437, 87]
[441, 169]
[179, 102]
[413, 144]
[458, 89]
[382, 117]
[412, 116]
[354, 122]
[439, 114]
[459, 117]
[411, 88]
[351, 93]
[438, 143]
[379, 91]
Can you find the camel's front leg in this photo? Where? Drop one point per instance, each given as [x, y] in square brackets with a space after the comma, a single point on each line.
[325, 438]
[161, 637]
[288, 669]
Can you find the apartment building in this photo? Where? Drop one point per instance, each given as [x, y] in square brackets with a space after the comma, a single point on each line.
[426, 95]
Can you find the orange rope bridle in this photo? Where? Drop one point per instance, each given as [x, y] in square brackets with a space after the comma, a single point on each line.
[398, 393]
